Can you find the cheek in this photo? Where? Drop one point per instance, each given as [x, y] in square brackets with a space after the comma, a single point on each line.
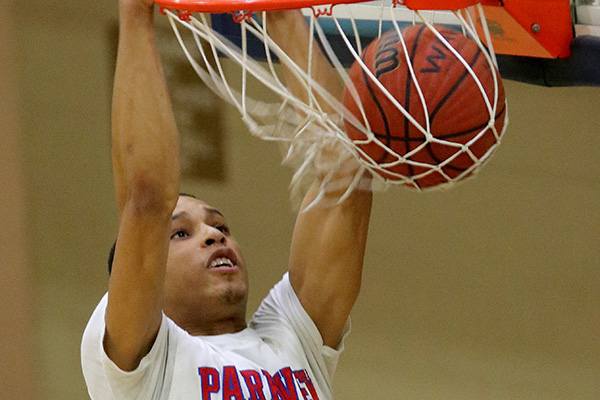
[179, 254]
[179, 263]
[173, 264]
[238, 251]
[181, 275]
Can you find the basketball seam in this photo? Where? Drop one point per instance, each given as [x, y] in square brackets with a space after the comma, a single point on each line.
[407, 97]
[441, 137]
[450, 93]
[477, 128]
[388, 135]
[439, 106]
[454, 87]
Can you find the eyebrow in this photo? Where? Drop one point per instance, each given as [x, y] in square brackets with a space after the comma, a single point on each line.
[180, 214]
[185, 214]
[211, 210]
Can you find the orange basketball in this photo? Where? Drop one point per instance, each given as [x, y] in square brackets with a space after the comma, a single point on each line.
[455, 105]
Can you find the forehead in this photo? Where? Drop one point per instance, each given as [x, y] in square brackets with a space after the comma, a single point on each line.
[194, 208]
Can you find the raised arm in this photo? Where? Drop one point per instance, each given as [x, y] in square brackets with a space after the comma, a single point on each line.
[326, 260]
[328, 244]
[146, 171]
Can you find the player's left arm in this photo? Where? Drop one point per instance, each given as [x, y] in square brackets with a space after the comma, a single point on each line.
[326, 259]
[328, 244]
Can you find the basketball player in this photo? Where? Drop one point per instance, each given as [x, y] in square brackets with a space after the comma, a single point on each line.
[173, 323]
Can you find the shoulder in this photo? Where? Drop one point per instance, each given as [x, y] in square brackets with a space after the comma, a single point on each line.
[281, 301]
[284, 324]
[94, 330]
[103, 376]
[91, 351]
[282, 318]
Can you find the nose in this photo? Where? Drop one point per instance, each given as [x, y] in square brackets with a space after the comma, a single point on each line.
[213, 236]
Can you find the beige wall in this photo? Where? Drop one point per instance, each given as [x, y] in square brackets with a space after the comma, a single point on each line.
[487, 291]
[17, 351]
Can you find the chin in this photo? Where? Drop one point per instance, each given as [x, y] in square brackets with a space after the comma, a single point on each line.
[232, 297]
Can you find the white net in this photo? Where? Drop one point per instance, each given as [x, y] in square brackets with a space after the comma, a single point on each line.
[413, 130]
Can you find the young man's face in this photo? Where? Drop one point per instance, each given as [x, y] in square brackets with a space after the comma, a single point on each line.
[206, 275]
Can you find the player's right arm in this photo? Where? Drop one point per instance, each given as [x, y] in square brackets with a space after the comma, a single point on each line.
[146, 170]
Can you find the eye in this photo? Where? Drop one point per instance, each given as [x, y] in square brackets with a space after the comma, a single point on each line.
[223, 228]
[179, 234]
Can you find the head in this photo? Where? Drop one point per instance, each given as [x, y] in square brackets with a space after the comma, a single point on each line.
[206, 281]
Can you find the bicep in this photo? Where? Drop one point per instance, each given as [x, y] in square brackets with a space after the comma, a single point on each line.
[134, 308]
[326, 260]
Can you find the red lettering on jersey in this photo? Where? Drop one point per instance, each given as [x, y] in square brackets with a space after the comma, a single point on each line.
[231, 384]
[305, 382]
[279, 389]
[209, 378]
[254, 383]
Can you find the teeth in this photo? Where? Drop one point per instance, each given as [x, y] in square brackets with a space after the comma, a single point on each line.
[221, 262]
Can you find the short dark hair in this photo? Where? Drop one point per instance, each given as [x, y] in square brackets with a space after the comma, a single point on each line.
[111, 257]
[111, 253]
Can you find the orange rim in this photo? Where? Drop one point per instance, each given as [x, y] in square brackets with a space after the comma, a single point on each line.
[224, 6]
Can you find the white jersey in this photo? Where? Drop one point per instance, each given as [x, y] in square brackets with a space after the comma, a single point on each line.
[280, 356]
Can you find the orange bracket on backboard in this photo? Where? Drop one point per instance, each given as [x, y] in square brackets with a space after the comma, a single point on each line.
[534, 28]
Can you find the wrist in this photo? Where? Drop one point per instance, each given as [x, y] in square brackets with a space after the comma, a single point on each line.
[135, 15]
[138, 8]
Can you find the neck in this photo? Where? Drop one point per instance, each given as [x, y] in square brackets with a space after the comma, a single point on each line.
[205, 322]
[219, 327]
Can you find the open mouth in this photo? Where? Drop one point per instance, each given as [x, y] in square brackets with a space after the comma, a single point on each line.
[221, 262]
